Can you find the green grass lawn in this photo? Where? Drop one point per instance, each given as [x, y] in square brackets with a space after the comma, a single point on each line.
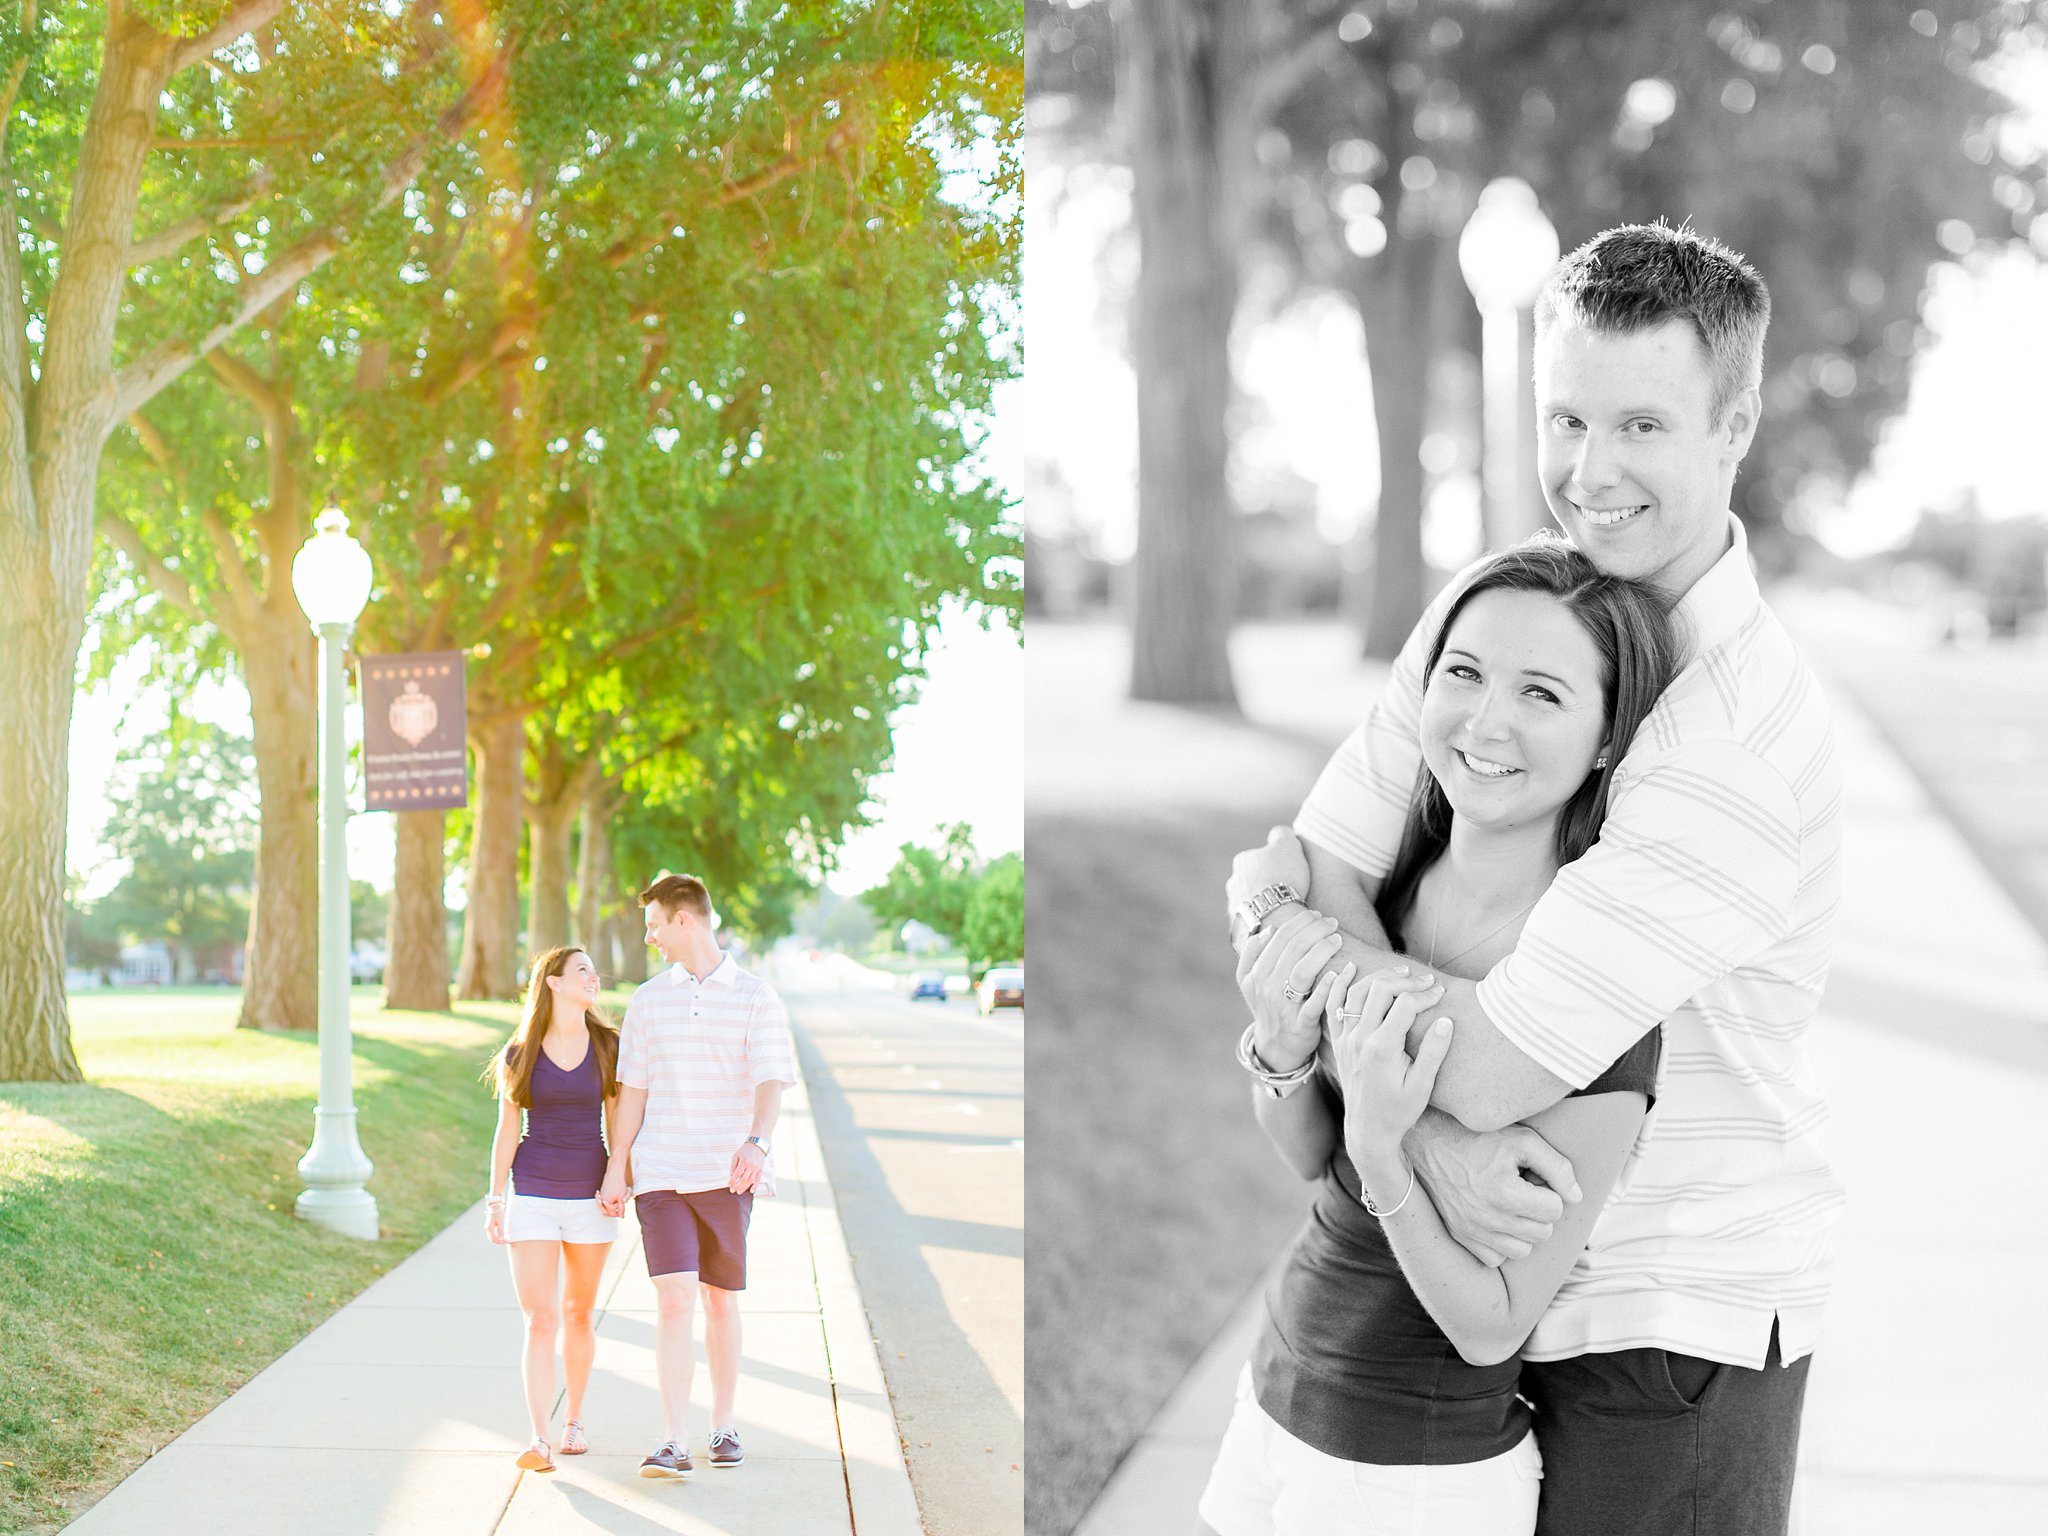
[149, 1258]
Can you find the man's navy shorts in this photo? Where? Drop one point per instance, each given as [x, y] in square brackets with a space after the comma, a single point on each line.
[705, 1231]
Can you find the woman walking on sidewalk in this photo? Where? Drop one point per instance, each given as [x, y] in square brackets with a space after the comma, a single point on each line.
[561, 1071]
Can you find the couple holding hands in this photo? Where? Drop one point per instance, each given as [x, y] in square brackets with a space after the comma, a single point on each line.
[676, 1107]
[1530, 992]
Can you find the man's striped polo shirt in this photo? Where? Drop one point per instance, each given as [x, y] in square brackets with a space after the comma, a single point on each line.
[700, 1048]
[1708, 903]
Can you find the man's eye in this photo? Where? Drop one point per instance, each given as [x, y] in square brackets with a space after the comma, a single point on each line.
[1642, 428]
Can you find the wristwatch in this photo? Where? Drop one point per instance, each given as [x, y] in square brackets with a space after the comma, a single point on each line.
[761, 1142]
[1254, 911]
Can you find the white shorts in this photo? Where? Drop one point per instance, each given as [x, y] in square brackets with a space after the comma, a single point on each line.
[536, 1219]
[1267, 1483]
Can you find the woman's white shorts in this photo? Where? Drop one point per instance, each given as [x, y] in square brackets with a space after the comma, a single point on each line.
[536, 1219]
[1267, 1483]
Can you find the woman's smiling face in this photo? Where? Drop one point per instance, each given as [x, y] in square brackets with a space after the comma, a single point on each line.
[577, 981]
[1514, 713]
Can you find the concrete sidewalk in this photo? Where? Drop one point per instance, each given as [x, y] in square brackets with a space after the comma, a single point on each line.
[1933, 1046]
[402, 1413]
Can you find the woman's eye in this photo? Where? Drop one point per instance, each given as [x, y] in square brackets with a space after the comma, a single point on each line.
[1462, 672]
[1542, 693]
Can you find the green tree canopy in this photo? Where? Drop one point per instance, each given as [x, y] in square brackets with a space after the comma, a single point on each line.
[995, 912]
[182, 816]
[929, 884]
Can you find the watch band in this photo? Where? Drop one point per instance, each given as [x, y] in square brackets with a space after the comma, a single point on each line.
[1260, 905]
[760, 1142]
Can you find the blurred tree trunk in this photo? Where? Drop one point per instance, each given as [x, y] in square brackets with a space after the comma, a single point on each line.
[1397, 299]
[595, 878]
[1178, 62]
[283, 966]
[630, 934]
[559, 783]
[490, 928]
[416, 966]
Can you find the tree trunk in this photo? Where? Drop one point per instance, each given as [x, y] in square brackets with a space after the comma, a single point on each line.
[490, 928]
[560, 780]
[38, 658]
[594, 876]
[46, 501]
[550, 826]
[281, 990]
[1397, 306]
[630, 934]
[1175, 76]
[416, 942]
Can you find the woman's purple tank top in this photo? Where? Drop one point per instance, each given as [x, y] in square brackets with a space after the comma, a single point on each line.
[562, 1156]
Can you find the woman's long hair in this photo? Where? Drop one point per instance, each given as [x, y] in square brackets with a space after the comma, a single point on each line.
[511, 1069]
[1630, 624]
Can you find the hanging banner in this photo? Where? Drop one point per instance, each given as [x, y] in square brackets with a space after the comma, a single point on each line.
[415, 720]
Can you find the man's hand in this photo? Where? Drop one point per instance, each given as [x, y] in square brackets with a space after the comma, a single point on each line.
[1475, 1179]
[1292, 957]
[611, 1195]
[746, 1168]
[1280, 860]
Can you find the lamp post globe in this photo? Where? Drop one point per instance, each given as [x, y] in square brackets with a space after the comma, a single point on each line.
[331, 578]
[331, 573]
[1508, 247]
[1507, 252]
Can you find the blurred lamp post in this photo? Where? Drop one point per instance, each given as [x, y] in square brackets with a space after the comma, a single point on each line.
[331, 578]
[1507, 251]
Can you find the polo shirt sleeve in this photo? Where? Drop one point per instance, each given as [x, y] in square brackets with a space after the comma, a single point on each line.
[1693, 876]
[633, 1045]
[770, 1058]
[1360, 803]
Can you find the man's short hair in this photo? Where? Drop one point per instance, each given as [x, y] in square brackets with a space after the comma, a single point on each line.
[672, 893]
[1637, 276]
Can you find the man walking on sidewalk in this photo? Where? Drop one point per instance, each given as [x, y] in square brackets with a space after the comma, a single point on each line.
[703, 1057]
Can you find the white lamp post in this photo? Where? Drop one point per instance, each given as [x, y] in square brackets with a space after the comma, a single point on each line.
[331, 578]
[1507, 252]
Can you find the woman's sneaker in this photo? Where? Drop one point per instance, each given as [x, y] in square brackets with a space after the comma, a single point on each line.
[725, 1447]
[671, 1461]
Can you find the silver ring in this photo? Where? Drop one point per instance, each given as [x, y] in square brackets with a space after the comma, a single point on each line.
[1358, 1015]
[1290, 994]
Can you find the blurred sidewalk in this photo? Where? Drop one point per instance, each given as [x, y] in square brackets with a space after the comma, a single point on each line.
[402, 1413]
[1933, 1045]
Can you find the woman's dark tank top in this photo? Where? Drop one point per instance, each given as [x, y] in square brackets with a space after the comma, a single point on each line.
[562, 1156]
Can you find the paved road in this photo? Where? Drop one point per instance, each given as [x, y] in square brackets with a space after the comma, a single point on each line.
[921, 1112]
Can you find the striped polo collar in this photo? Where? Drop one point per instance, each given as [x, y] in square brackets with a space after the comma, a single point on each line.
[723, 974]
[1724, 599]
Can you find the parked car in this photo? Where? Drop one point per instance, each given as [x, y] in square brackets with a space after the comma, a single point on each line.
[1002, 986]
[928, 984]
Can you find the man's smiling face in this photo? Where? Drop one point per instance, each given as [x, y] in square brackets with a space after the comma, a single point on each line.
[1636, 469]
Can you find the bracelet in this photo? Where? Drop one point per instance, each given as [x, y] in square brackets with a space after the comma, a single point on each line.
[1249, 1060]
[494, 1199]
[1383, 1215]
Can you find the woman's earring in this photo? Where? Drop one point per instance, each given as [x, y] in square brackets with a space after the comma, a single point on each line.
[1600, 761]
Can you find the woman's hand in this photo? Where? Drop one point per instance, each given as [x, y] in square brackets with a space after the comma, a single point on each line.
[1385, 1092]
[494, 1223]
[1290, 958]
